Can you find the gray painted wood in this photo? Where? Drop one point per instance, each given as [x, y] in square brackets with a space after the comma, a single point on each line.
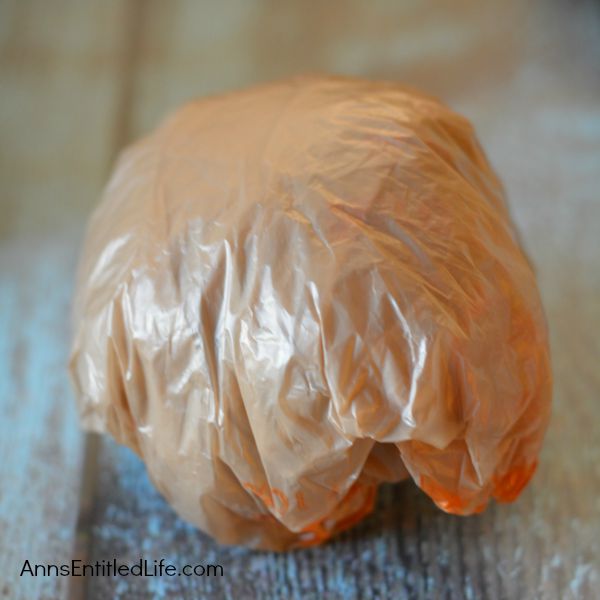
[405, 549]
[81, 79]
[40, 444]
[59, 91]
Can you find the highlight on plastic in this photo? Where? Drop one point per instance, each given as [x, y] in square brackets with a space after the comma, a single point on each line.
[292, 293]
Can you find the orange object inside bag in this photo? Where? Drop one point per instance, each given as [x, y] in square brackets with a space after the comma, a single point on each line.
[292, 293]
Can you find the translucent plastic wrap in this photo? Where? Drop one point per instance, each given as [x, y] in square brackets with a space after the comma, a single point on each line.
[293, 293]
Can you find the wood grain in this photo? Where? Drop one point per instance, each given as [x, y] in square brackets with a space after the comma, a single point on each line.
[81, 79]
[59, 68]
[40, 444]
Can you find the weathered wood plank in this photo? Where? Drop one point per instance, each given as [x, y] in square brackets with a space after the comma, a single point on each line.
[529, 88]
[58, 66]
[39, 439]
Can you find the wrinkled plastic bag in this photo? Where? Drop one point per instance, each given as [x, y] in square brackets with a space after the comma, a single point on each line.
[293, 293]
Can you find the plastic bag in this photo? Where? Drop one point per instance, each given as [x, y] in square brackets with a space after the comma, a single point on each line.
[293, 293]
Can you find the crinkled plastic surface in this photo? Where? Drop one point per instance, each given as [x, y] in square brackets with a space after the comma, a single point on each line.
[293, 293]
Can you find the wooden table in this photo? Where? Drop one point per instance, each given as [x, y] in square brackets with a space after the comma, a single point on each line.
[80, 79]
